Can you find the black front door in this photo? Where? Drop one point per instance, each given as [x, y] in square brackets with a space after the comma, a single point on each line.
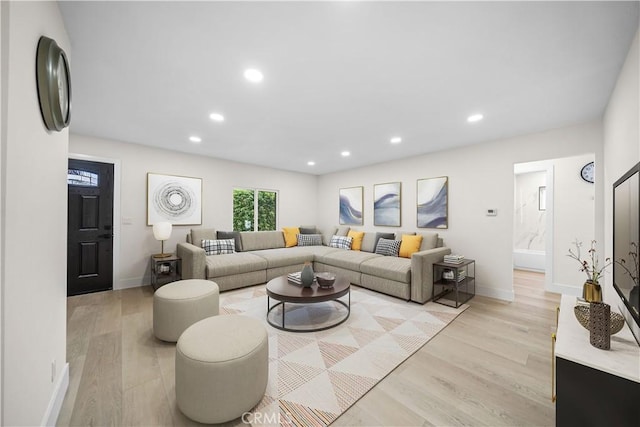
[90, 227]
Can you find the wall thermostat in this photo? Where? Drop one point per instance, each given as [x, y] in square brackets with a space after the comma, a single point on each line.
[492, 212]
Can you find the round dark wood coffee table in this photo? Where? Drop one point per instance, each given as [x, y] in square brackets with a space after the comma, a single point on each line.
[282, 290]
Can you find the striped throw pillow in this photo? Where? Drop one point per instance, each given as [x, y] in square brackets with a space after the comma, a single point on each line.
[341, 242]
[388, 247]
[219, 247]
[309, 240]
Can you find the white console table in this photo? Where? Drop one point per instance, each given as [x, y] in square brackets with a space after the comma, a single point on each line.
[595, 387]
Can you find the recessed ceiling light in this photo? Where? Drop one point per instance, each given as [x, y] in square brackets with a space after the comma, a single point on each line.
[311, 163]
[475, 118]
[345, 154]
[195, 139]
[253, 75]
[396, 140]
[216, 117]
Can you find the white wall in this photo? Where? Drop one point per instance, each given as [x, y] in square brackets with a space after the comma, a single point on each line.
[4, 62]
[34, 204]
[297, 193]
[530, 221]
[480, 177]
[574, 218]
[621, 143]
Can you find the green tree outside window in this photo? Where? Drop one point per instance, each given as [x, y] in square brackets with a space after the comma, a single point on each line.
[246, 212]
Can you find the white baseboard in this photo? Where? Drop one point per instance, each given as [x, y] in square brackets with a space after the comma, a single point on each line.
[506, 295]
[132, 283]
[561, 288]
[534, 270]
[55, 404]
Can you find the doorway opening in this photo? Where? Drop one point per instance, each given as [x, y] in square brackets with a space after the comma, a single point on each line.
[533, 223]
[553, 206]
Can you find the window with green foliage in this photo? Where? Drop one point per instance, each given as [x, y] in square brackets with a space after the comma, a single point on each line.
[254, 210]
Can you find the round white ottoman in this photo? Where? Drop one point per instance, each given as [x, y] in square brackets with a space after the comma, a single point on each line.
[222, 366]
[178, 305]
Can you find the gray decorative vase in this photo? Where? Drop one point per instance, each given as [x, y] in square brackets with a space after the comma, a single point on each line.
[307, 275]
[600, 325]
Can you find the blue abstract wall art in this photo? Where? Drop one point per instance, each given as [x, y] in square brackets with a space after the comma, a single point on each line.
[387, 204]
[351, 206]
[432, 202]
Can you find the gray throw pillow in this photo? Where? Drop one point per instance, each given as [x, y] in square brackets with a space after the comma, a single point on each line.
[388, 247]
[235, 235]
[310, 229]
[309, 240]
[379, 236]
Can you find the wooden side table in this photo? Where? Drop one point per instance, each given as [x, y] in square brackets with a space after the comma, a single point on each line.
[454, 284]
[165, 270]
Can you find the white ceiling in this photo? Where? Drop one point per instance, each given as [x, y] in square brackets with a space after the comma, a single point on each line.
[339, 75]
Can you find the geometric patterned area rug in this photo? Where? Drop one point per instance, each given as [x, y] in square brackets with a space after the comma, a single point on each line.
[316, 376]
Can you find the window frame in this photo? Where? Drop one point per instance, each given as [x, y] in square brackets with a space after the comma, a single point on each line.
[256, 192]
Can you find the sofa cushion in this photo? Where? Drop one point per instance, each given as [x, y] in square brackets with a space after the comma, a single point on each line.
[388, 247]
[319, 251]
[370, 240]
[235, 235]
[387, 267]
[357, 236]
[257, 240]
[237, 263]
[219, 247]
[409, 245]
[350, 260]
[308, 229]
[309, 240]
[290, 236]
[367, 242]
[200, 234]
[284, 257]
[429, 241]
[343, 230]
[399, 234]
[328, 234]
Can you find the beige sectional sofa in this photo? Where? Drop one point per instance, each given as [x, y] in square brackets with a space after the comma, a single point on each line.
[264, 256]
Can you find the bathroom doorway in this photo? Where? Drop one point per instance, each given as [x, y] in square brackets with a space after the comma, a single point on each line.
[553, 206]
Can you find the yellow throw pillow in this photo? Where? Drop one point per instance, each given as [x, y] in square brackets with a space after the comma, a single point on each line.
[357, 236]
[409, 245]
[290, 236]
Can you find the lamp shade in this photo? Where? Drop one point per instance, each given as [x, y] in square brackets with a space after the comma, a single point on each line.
[162, 230]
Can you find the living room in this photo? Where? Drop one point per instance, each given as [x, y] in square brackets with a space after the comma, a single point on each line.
[480, 176]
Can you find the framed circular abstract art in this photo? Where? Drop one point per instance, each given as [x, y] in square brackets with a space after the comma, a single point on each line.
[176, 199]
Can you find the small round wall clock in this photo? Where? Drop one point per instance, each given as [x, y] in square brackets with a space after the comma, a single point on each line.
[54, 84]
[588, 172]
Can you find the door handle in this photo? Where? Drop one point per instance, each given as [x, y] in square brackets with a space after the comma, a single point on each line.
[105, 236]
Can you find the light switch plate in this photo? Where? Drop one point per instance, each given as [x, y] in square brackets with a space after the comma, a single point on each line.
[492, 212]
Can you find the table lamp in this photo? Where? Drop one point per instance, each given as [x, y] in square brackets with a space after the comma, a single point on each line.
[162, 232]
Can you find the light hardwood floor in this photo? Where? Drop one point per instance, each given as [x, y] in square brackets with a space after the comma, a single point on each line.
[491, 366]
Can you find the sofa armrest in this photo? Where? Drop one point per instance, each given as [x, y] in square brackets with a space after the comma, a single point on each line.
[193, 261]
[422, 272]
